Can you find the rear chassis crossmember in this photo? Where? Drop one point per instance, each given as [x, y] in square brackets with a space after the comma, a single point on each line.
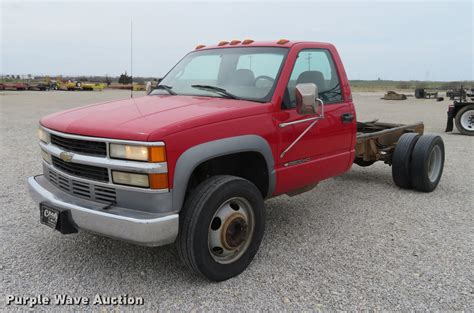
[376, 141]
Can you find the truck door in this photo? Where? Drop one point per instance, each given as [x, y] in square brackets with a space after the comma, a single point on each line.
[325, 150]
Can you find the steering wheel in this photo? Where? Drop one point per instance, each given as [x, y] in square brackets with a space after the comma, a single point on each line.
[271, 79]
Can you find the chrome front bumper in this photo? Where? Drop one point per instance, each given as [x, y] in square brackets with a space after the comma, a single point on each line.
[141, 228]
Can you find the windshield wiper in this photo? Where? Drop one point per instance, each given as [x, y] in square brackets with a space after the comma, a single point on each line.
[219, 90]
[167, 88]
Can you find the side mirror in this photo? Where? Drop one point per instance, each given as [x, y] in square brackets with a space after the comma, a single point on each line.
[307, 101]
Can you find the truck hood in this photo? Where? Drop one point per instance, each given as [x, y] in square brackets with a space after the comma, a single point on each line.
[149, 118]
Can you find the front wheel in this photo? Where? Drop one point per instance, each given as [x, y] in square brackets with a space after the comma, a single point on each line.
[221, 227]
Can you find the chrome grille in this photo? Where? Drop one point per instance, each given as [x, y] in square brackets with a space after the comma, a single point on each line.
[80, 146]
[80, 188]
[81, 170]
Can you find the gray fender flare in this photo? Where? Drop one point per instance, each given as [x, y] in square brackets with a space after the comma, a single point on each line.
[196, 155]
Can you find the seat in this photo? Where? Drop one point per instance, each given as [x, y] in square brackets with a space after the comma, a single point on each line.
[242, 77]
[315, 77]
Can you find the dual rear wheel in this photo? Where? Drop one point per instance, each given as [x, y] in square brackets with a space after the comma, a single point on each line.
[418, 162]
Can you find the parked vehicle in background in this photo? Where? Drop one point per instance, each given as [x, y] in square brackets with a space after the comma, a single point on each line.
[42, 86]
[460, 92]
[423, 93]
[92, 86]
[229, 126]
[77, 85]
[470, 92]
[38, 86]
[13, 86]
[462, 112]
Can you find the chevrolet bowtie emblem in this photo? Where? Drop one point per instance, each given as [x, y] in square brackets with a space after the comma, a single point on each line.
[66, 156]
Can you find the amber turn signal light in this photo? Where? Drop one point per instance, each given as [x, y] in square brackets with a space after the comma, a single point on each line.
[200, 46]
[158, 181]
[247, 41]
[282, 41]
[222, 43]
[157, 154]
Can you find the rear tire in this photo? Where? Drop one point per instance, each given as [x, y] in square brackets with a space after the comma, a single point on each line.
[221, 227]
[401, 159]
[465, 120]
[427, 163]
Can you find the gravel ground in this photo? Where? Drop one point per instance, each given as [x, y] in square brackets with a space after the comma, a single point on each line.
[355, 242]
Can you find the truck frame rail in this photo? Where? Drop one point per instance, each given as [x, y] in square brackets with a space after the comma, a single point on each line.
[376, 141]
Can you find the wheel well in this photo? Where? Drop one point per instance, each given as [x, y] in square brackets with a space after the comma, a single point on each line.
[249, 165]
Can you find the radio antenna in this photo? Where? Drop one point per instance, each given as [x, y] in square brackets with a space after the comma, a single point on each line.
[131, 58]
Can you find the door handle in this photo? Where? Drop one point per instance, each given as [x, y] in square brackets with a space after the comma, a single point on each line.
[347, 117]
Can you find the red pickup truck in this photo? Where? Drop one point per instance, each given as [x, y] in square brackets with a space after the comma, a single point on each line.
[229, 126]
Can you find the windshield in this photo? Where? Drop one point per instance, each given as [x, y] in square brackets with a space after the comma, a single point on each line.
[243, 73]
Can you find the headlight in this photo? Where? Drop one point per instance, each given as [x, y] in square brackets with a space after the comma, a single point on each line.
[138, 153]
[153, 181]
[131, 179]
[43, 135]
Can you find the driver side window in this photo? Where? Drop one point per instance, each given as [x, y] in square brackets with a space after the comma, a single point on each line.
[314, 66]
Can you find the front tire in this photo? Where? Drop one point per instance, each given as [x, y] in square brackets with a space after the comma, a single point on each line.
[221, 227]
[465, 120]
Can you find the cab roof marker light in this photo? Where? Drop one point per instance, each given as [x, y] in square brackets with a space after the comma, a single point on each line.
[200, 47]
[235, 42]
[247, 41]
[282, 41]
[222, 43]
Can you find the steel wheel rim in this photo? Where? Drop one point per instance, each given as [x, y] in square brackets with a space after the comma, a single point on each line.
[467, 120]
[230, 230]
[434, 164]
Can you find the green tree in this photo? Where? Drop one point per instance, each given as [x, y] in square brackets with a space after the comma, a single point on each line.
[125, 79]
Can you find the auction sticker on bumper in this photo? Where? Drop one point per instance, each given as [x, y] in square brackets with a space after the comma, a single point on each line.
[49, 216]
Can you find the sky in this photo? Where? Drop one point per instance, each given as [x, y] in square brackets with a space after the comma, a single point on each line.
[396, 40]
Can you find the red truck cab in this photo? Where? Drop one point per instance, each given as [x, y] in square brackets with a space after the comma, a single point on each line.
[229, 126]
